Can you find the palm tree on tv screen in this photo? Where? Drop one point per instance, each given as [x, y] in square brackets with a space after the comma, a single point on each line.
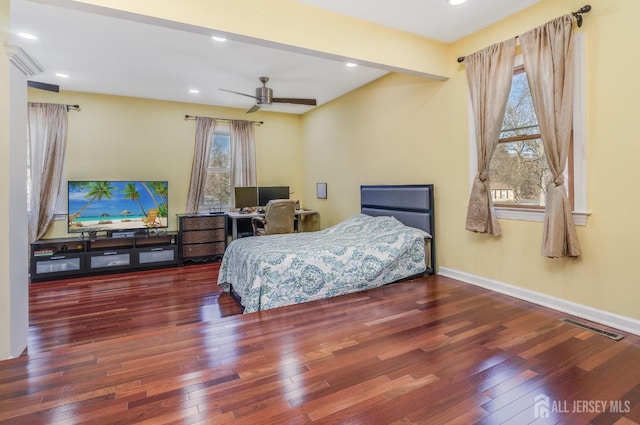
[95, 191]
[159, 189]
[130, 192]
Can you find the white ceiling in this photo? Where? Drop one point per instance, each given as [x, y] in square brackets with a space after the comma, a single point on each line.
[103, 54]
[435, 19]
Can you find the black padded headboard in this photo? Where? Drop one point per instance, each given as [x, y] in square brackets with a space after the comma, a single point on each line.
[411, 204]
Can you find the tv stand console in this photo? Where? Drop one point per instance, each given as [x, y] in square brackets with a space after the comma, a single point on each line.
[68, 257]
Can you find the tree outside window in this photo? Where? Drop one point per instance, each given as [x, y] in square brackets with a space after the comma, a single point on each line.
[217, 191]
[519, 167]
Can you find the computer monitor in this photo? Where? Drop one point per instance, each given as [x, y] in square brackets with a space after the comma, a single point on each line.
[267, 193]
[246, 197]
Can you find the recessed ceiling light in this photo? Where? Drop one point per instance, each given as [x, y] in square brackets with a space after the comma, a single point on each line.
[194, 91]
[61, 75]
[351, 64]
[218, 38]
[27, 36]
[456, 2]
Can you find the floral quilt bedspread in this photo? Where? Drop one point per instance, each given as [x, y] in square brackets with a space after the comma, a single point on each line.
[359, 253]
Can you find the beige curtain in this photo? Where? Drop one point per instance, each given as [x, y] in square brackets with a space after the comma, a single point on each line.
[243, 155]
[548, 60]
[489, 73]
[47, 141]
[201, 152]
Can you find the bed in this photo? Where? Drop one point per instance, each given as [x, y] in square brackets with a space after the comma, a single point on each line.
[390, 240]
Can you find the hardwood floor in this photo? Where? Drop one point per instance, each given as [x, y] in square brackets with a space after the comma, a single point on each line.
[167, 347]
[81, 310]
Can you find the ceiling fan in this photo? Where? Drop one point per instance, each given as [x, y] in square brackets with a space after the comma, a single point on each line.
[264, 96]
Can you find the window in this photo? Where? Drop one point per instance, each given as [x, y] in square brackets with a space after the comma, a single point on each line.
[217, 191]
[576, 172]
[519, 165]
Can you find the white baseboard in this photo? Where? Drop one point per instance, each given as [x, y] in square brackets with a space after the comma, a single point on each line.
[606, 318]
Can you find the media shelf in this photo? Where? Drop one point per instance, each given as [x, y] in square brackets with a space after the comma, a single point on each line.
[69, 257]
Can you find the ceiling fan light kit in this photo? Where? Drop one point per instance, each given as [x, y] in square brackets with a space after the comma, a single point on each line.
[264, 97]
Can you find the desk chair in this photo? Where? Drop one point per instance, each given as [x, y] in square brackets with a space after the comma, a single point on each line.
[279, 216]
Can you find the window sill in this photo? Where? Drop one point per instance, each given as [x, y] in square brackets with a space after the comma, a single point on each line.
[530, 214]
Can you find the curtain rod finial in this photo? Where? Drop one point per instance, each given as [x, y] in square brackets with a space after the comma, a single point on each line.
[579, 12]
[585, 9]
[460, 59]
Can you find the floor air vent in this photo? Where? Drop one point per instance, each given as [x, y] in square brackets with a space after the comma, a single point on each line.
[599, 331]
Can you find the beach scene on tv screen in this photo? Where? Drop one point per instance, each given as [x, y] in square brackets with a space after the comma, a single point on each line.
[117, 205]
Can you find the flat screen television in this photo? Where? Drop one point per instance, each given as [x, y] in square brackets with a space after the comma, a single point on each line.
[267, 193]
[112, 206]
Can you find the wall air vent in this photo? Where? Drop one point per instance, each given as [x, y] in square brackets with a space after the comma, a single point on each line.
[599, 331]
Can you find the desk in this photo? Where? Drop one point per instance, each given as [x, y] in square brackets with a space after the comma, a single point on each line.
[235, 216]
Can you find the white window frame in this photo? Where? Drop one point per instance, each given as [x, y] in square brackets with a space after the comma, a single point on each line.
[580, 212]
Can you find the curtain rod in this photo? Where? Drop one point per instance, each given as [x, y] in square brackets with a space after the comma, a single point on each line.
[577, 14]
[69, 107]
[193, 117]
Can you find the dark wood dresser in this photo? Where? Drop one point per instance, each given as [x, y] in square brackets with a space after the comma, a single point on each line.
[202, 237]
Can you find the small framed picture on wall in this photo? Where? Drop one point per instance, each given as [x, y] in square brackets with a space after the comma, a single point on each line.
[321, 190]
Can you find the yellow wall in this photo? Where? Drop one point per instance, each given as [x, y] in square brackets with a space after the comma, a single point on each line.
[391, 131]
[402, 129]
[122, 138]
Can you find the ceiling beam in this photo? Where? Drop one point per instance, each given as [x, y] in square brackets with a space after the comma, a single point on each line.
[287, 25]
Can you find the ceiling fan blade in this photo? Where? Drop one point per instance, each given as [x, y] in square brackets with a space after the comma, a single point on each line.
[311, 102]
[43, 86]
[264, 97]
[243, 94]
